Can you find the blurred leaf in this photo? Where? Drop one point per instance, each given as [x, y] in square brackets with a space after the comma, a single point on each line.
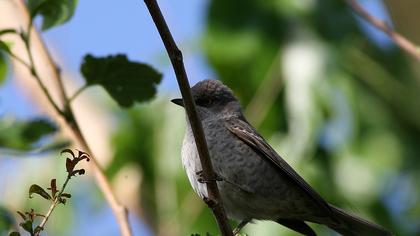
[36, 129]
[38, 190]
[4, 47]
[27, 135]
[14, 233]
[6, 220]
[126, 81]
[3, 68]
[27, 226]
[22, 215]
[66, 195]
[54, 12]
[8, 31]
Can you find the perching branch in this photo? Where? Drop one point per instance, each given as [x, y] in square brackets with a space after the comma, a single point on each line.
[67, 114]
[214, 201]
[405, 44]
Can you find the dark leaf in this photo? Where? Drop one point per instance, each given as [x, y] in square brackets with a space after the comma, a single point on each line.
[66, 195]
[36, 129]
[8, 31]
[62, 200]
[27, 226]
[22, 135]
[53, 188]
[68, 151]
[14, 233]
[80, 172]
[21, 215]
[54, 12]
[83, 155]
[38, 190]
[69, 165]
[126, 81]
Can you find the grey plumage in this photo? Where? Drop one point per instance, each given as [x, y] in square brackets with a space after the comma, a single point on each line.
[256, 183]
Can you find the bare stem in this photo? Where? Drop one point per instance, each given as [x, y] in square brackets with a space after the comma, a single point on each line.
[214, 201]
[405, 44]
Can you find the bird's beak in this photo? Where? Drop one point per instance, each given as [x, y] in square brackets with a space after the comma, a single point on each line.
[178, 101]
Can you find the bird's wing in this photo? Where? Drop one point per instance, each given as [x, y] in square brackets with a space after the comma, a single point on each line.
[245, 132]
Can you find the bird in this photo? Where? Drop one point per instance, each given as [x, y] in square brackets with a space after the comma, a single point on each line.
[256, 183]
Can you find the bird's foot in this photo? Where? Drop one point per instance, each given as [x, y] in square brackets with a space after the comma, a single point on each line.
[202, 180]
[240, 226]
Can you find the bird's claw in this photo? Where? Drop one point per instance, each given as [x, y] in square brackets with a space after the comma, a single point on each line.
[202, 180]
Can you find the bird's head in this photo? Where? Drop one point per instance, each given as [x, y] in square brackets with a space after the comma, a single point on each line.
[213, 99]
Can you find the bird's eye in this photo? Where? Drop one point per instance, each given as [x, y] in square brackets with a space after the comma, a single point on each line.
[203, 102]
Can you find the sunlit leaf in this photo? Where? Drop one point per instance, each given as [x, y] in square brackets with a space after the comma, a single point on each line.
[54, 12]
[126, 81]
[38, 190]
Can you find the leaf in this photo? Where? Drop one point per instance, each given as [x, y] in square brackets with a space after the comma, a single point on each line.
[27, 226]
[14, 233]
[21, 215]
[67, 151]
[4, 47]
[25, 135]
[53, 187]
[69, 165]
[6, 220]
[3, 68]
[80, 172]
[54, 12]
[38, 190]
[36, 129]
[8, 31]
[66, 195]
[126, 81]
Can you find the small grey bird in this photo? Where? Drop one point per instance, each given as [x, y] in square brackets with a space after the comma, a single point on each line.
[254, 181]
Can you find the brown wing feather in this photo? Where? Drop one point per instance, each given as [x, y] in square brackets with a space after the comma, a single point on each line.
[245, 132]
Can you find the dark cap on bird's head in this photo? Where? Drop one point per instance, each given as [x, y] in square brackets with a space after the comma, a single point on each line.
[209, 92]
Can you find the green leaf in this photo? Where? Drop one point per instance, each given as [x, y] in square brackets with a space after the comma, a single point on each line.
[27, 226]
[14, 233]
[6, 220]
[4, 47]
[38, 190]
[54, 12]
[27, 135]
[126, 81]
[3, 68]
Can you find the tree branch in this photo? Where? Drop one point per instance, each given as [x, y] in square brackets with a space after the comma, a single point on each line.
[67, 114]
[214, 201]
[405, 44]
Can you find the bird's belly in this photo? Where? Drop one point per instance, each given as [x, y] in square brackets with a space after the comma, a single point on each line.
[252, 188]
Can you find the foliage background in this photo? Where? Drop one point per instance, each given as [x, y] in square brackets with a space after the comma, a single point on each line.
[336, 99]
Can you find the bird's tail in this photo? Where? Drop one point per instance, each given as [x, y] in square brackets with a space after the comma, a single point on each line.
[351, 225]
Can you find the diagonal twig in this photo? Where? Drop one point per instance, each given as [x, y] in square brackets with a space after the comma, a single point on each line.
[175, 55]
[405, 44]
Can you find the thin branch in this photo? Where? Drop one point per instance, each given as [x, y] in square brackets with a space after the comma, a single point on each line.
[56, 201]
[405, 44]
[119, 210]
[80, 90]
[214, 201]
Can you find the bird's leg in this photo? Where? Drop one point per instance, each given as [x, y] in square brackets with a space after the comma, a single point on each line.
[240, 226]
[202, 180]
